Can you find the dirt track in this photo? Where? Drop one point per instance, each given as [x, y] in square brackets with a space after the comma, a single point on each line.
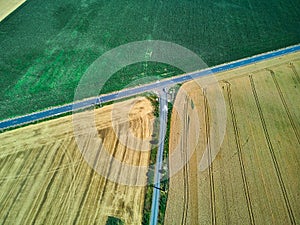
[254, 178]
[45, 180]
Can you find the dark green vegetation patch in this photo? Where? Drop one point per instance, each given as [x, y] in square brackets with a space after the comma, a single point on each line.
[46, 46]
[114, 221]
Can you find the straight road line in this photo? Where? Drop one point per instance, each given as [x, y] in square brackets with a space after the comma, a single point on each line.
[29, 118]
[163, 117]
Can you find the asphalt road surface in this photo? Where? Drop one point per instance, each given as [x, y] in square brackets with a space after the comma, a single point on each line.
[163, 119]
[141, 89]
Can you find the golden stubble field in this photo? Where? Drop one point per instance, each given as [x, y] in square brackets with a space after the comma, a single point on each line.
[254, 179]
[44, 178]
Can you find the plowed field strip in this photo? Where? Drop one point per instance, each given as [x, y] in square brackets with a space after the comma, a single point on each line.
[270, 146]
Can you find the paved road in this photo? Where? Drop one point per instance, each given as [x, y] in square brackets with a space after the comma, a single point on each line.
[163, 117]
[141, 89]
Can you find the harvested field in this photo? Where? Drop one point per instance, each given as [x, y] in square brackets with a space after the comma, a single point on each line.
[254, 178]
[46, 46]
[7, 7]
[44, 178]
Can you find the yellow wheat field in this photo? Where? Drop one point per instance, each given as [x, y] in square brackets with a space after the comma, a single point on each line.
[254, 178]
[44, 178]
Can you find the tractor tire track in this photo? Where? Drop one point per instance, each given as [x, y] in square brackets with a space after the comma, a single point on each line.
[273, 75]
[271, 150]
[71, 191]
[240, 156]
[3, 163]
[185, 165]
[76, 178]
[116, 143]
[60, 185]
[83, 199]
[103, 182]
[210, 166]
[5, 198]
[30, 211]
[77, 182]
[21, 187]
[48, 184]
[292, 66]
[9, 167]
[100, 183]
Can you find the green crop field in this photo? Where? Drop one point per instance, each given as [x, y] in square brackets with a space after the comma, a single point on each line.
[46, 46]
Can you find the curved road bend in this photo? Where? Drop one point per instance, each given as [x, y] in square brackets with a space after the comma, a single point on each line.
[29, 118]
[163, 118]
